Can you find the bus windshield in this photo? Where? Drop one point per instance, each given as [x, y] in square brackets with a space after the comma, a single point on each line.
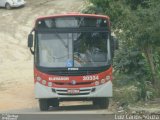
[81, 49]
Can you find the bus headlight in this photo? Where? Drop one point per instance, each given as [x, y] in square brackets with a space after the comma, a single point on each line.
[38, 78]
[97, 83]
[44, 82]
[50, 84]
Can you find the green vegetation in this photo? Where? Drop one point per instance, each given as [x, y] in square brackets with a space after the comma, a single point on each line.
[136, 24]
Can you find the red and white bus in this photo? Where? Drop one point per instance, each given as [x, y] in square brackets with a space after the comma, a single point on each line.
[72, 59]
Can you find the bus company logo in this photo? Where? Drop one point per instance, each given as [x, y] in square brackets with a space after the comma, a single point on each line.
[73, 68]
[58, 78]
[73, 82]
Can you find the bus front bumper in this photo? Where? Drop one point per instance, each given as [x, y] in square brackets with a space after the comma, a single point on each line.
[104, 90]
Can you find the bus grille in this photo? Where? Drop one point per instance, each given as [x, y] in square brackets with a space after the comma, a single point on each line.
[83, 91]
[82, 83]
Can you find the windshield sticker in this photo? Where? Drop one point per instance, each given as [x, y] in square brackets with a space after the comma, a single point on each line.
[69, 63]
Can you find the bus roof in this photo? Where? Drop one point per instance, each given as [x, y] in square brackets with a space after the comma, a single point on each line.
[72, 14]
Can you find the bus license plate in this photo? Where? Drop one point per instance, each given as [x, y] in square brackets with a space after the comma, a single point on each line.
[73, 91]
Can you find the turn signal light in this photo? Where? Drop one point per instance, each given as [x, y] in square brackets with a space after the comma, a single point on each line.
[38, 78]
[97, 83]
[108, 78]
[50, 84]
[103, 81]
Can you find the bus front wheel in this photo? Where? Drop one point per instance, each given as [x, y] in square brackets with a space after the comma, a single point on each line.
[43, 104]
[103, 103]
[8, 6]
[53, 102]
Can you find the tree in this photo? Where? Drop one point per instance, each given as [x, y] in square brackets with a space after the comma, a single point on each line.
[137, 24]
[146, 37]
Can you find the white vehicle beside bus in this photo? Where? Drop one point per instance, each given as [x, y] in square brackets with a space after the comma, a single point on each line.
[8, 4]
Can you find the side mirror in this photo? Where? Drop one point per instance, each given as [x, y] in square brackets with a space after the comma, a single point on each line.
[30, 40]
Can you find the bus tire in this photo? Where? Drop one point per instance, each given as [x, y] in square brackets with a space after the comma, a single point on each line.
[8, 6]
[103, 103]
[53, 102]
[43, 104]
